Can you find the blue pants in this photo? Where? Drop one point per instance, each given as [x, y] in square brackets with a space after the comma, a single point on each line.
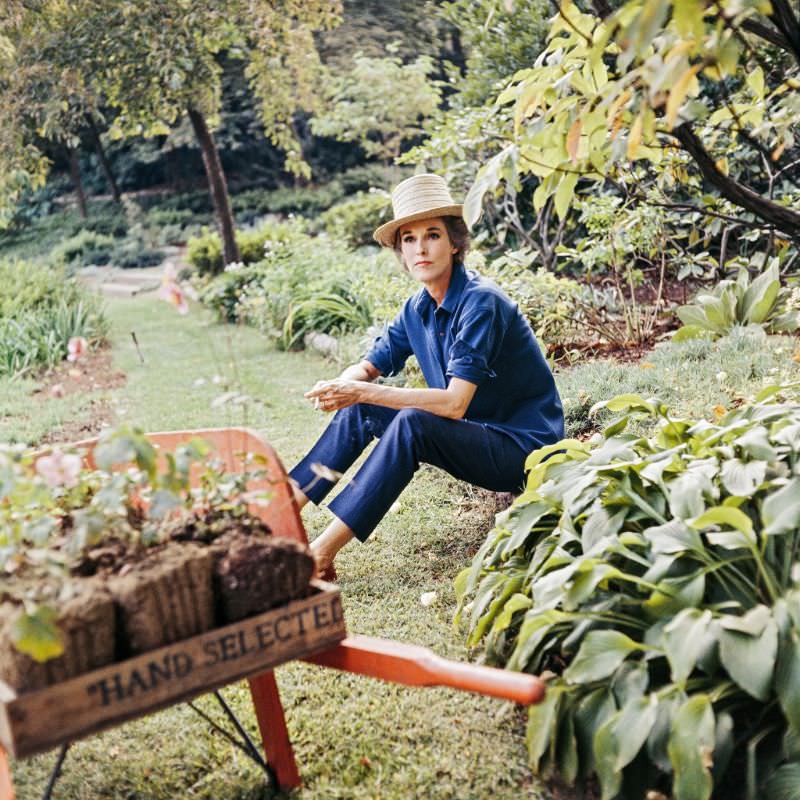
[467, 450]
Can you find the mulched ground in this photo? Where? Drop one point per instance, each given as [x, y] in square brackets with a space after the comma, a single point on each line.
[92, 373]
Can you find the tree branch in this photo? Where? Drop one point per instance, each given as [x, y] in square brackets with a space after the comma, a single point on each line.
[785, 20]
[781, 217]
[766, 32]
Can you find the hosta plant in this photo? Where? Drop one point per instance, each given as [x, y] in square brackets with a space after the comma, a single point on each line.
[655, 580]
[762, 301]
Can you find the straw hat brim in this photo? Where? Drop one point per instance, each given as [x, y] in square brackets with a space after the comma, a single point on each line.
[385, 234]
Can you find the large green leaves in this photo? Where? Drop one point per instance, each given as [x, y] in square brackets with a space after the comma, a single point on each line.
[691, 749]
[599, 656]
[649, 568]
[747, 648]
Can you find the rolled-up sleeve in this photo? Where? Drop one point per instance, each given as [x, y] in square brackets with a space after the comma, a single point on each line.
[477, 340]
[390, 350]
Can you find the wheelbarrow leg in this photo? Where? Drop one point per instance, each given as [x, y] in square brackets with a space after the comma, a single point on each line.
[6, 787]
[274, 733]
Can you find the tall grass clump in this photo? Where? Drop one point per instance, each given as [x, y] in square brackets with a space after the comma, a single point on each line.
[656, 579]
[41, 309]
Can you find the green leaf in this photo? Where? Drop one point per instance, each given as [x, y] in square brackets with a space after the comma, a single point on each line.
[163, 502]
[564, 193]
[592, 711]
[750, 660]
[600, 653]
[624, 402]
[724, 515]
[691, 749]
[542, 722]
[787, 678]
[605, 757]
[686, 497]
[517, 602]
[37, 635]
[784, 783]
[688, 332]
[742, 478]
[760, 296]
[673, 537]
[631, 726]
[675, 594]
[683, 640]
[567, 748]
[780, 511]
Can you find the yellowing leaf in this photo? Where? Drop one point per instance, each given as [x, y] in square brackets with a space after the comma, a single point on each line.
[573, 140]
[722, 165]
[678, 94]
[635, 136]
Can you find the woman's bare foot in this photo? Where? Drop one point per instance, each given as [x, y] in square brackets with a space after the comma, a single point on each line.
[325, 547]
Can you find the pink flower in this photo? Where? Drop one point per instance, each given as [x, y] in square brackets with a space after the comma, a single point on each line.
[171, 291]
[59, 470]
[77, 348]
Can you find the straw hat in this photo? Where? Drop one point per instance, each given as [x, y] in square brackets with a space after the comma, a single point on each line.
[418, 197]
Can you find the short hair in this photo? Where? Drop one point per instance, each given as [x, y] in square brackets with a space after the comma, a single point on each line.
[457, 232]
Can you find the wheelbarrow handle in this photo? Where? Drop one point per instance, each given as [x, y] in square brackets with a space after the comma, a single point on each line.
[413, 665]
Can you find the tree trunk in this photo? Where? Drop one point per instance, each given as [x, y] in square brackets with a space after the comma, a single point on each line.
[75, 172]
[101, 154]
[217, 186]
[783, 218]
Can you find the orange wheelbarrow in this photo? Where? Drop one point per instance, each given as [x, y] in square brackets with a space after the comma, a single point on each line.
[377, 658]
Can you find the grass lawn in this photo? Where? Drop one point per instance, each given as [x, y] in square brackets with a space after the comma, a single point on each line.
[354, 737]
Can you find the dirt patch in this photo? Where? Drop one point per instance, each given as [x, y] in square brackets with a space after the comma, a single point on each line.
[92, 373]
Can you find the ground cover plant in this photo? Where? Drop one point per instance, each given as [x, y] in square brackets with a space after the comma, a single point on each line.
[41, 310]
[656, 578]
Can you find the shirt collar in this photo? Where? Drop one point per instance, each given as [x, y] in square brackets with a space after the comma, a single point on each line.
[458, 280]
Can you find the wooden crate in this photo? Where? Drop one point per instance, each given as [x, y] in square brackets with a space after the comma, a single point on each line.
[32, 722]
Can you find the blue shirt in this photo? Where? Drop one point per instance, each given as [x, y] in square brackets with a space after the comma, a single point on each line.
[477, 334]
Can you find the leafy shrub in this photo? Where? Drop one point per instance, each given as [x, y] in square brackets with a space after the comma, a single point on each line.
[657, 577]
[306, 283]
[356, 218]
[205, 251]
[105, 218]
[372, 176]
[306, 201]
[160, 216]
[741, 302]
[83, 249]
[550, 303]
[41, 310]
[133, 252]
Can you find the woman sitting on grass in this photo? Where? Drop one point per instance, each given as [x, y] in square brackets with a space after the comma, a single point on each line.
[491, 398]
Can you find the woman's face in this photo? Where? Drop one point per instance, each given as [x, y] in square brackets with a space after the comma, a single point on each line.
[427, 250]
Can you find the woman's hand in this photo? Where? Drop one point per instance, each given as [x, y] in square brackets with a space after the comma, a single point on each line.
[336, 394]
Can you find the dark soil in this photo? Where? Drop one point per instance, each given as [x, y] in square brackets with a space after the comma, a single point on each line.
[255, 573]
[87, 624]
[165, 597]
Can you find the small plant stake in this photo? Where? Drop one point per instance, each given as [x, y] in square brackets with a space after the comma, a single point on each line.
[136, 344]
